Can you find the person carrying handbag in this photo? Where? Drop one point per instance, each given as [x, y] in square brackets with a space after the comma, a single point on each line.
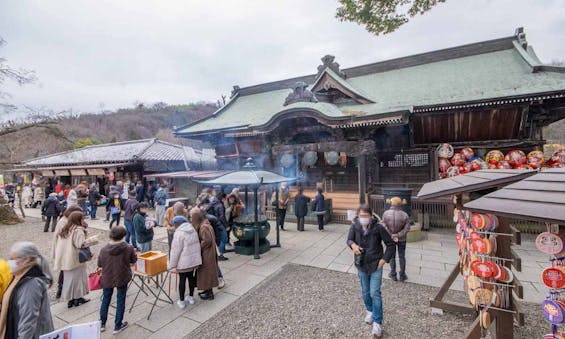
[114, 261]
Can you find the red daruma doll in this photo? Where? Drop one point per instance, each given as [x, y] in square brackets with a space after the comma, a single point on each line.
[468, 152]
[458, 159]
[515, 158]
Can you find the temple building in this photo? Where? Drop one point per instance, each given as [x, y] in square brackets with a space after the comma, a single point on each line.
[361, 129]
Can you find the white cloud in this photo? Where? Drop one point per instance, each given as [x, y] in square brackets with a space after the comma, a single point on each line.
[118, 51]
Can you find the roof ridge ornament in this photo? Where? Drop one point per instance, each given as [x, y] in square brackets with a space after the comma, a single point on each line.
[328, 62]
[300, 94]
[521, 37]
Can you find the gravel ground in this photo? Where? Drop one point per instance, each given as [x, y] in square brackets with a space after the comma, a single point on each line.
[32, 230]
[308, 302]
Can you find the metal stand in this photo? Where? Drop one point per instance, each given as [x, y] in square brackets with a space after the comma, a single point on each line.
[142, 277]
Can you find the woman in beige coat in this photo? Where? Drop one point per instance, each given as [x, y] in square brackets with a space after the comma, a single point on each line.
[207, 276]
[70, 239]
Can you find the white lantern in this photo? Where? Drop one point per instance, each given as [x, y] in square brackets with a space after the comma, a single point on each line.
[310, 158]
[332, 158]
[287, 160]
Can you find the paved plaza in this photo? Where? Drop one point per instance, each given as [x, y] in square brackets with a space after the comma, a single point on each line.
[429, 262]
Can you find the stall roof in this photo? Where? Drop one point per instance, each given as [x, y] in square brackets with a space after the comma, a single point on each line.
[472, 182]
[190, 174]
[538, 198]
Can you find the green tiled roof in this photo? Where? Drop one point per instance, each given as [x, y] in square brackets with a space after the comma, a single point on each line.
[505, 71]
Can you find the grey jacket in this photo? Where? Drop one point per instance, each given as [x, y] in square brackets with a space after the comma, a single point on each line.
[397, 222]
[34, 312]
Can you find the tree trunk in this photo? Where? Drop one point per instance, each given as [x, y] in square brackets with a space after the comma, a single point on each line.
[7, 214]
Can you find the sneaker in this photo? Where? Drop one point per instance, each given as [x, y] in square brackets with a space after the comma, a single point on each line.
[377, 330]
[181, 304]
[403, 277]
[369, 318]
[392, 277]
[221, 283]
[222, 258]
[121, 328]
[102, 328]
[189, 300]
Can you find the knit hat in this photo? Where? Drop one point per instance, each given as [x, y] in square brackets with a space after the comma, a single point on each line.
[179, 219]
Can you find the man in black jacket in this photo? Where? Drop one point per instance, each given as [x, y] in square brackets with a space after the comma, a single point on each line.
[300, 208]
[366, 237]
[51, 211]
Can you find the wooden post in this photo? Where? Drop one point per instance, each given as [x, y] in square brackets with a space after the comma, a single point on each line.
[503, 321]
[362, 177]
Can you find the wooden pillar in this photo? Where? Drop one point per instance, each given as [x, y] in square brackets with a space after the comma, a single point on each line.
[362, 177]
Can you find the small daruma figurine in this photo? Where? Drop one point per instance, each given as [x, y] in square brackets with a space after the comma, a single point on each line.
[504, 165]
[494, 157]
[443, 165]
[453, 171]
[515, 157]
[535, 159]
[468, 152]
[561, 156]
[445, 151]
[458, 159]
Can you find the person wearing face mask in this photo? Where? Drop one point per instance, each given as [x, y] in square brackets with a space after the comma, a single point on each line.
[366, 237]
[25, 311]
[397, 223]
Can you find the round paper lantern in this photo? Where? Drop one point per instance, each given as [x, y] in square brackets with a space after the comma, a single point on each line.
[287, 160]
[494, 155]
[458, 159]
[444, 164]
[310, 158]
[445, 151]
[332, 157]
[515, 157]
[468, 152]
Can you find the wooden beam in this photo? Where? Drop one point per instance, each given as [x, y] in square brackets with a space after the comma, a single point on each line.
[452, 306]
[519, 315]
[362, 177]
[474, 332]
[517, 263]
[516, 235]
[519, 289]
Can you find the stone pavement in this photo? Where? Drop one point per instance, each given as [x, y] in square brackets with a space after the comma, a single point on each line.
[429, 262]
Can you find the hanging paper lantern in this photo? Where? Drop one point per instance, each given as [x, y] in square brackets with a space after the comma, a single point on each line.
[495, 156]
[468, 153]
[458, 159]
[332, 157]
[445, 151]
[310, 158]
[287, 160]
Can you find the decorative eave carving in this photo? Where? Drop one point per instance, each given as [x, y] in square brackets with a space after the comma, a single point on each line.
[300, 94]
[329, 80]
[521, 37]
[328, 62]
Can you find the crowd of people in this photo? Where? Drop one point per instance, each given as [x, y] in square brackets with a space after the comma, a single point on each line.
[197, 239]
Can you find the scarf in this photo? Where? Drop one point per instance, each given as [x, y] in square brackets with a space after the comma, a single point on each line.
[6, 300]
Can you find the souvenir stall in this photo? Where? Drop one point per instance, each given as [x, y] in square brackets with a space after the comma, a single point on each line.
[485, 256]
[537, 198]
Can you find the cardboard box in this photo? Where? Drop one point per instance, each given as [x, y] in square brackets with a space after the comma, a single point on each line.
[151, 263]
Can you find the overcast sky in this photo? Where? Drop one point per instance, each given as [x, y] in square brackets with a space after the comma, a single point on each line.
[105, 54]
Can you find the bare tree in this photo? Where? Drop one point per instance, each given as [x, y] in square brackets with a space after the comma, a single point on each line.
[19, 75]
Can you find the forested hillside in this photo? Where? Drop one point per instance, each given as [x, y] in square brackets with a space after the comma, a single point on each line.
[24, 142]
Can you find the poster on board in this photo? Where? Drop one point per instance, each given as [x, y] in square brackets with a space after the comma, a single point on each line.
[78, 331]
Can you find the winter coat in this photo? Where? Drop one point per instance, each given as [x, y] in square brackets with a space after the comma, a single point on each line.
[27, 195]
[218, 210]
[185, 249]
[116, 259]
[38, 194]
[112, 203]
[207, 276]
[284, 198]
[141, 232]
[170, 215]
[82, 192]
[129, 209]
[94, 196]
[139, 192]
[161, 196]
[51, 207]
[29, 310]
[397, 222]
[371, 240]
[301, 205]
[66, 251]
[72, 198]
[216, 226]
[319, 203]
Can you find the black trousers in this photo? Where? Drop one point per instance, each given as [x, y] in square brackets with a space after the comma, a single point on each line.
[320, 221]
[183, 277]
[115, 218]
[401, 246]
[281, 215]
[52, 220]
[300, 223]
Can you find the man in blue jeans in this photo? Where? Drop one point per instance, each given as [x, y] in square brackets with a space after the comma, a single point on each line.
[365, 238]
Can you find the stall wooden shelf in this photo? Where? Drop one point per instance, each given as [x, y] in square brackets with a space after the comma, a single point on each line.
[537, 198]
[466, 188]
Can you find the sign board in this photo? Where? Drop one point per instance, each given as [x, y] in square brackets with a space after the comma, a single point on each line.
[79, 331]
[351, 214]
